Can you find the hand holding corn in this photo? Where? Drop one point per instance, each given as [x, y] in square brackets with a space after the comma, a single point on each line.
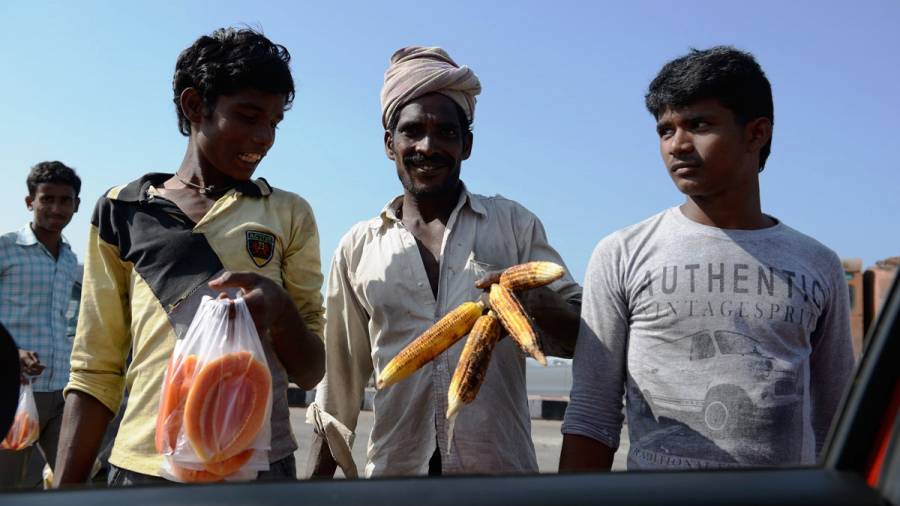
[440, 336]
[506, 310]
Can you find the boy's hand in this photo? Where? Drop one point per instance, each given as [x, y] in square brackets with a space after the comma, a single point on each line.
[30, 363]
[266, 300]
[299, 350]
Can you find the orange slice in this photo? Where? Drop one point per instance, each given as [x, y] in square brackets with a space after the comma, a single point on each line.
[171, 407]
[226, 406]
[215, 471]
[24, 432]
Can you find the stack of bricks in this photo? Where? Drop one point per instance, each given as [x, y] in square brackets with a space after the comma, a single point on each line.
[876, 283]
[854, 276]
[868, 293]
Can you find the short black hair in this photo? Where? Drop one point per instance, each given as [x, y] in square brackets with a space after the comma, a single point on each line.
[227, 61]
[463, 119]
[731, 76]
[52, 172]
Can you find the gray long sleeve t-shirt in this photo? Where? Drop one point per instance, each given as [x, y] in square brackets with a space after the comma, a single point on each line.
[731, 347]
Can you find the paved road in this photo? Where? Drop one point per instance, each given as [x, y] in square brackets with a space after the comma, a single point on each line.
[547, 442]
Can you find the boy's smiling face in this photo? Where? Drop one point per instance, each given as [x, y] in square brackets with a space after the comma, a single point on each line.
[235, 136]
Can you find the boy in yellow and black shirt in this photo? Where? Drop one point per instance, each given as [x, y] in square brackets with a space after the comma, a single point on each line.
[158, 244]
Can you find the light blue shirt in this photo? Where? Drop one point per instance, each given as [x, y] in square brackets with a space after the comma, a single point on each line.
[35, 290]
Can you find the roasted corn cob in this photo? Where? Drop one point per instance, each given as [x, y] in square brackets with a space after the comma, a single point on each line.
[531, 275]
[440, 336]
[473, 362]
[516, 322]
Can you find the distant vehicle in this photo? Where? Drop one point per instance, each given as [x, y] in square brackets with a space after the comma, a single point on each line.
[720, 375]
[553, 381]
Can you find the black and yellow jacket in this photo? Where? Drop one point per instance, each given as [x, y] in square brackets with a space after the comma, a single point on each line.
[147, 267]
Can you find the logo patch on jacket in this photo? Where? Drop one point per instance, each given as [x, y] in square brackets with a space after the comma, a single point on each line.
[261, 246]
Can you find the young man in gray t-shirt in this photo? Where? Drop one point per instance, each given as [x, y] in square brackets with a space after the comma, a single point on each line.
[726, 330]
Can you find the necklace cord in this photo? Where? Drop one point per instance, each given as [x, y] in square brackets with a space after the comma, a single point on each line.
[205, 190]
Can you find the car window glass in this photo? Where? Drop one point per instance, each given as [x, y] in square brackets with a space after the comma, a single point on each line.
[702, 347]
[732, 343]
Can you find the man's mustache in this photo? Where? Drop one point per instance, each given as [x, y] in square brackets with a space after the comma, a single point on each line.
[420, 160]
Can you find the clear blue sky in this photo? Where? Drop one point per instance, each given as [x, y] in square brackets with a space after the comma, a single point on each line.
[560, 125]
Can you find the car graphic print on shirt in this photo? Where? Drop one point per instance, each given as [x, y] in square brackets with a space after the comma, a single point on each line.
[728, 375]
[718, 390]
[260, 246]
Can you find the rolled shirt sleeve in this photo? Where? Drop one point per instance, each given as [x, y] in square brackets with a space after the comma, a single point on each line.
[348, 366]
[103, 337]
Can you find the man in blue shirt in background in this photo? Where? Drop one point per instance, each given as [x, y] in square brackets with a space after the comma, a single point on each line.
[37, 274]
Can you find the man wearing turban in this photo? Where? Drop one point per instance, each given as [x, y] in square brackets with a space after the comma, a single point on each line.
[430, 249]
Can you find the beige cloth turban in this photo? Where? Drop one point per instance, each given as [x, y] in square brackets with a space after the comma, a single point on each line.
[417, 71]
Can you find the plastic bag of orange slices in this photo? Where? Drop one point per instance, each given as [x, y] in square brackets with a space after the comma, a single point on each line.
[24, 431]
[214, 414]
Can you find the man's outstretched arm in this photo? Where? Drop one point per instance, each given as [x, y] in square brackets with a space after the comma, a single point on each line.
[84, 423]
[581, 453]
[98, 359]
[348, 368]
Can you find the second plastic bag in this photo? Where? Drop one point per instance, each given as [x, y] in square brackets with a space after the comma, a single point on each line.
[24, 431]
[216, 402]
